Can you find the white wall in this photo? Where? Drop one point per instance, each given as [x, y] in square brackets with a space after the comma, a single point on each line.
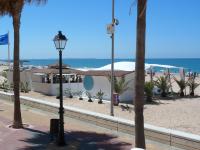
[44, 88]
[129, 94]
[25, 76]
[100, 82]
[52, 89]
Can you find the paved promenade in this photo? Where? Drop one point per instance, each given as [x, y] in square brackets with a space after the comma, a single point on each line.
[79, 135]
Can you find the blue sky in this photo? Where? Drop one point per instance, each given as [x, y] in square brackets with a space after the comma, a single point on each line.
[173, 29]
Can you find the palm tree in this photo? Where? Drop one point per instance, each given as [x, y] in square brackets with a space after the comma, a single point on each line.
[14, 9]
[148, 89]
[120, 84]
[192, 85]
[139, 74]
[182, 85]
[163, 85]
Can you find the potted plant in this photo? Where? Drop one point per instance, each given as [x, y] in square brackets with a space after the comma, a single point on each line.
[192, 85]
[80, 94]
[89, 95]
[22, 87]
[5, 74]
[148, 89]
[26, 87]
[5, 86]
[69, 93]
[100, 95]
[57, 93]
[120, 86]
[163, 85]
[182, 85]
[11, 86]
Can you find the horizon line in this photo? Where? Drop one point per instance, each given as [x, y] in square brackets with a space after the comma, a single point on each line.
[101, 58]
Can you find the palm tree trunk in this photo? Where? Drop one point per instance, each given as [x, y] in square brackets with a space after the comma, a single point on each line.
[17, 123]
[139, 74]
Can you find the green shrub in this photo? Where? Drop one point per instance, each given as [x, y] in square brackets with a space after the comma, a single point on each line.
[89, 95]
[120, 84]
[192, 85]
[182, 85]
[24, 87]
[69, 93]
[148, 89]
[11, 86]
[163, 84]
[100, 95]
[5, 86]
[80, 93]
[5, 74]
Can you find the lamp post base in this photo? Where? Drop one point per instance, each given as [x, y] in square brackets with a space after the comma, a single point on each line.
[61, 143]
[137, 149]
[61, 139]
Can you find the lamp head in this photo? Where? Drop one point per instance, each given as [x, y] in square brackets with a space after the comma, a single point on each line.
[60, 41]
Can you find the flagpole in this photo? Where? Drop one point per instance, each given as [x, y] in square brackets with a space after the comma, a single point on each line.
[9, 67]
[8, 52]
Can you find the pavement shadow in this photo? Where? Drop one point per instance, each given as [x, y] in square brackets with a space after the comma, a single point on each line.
[75, 140]
[96, 141]
[37, 141]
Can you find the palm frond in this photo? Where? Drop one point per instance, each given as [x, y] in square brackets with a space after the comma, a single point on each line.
[192, 84]
[120, 84]
[181, 83]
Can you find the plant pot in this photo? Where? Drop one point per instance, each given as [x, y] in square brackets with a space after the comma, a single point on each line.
[148, 99]
[90, 100]
[182, 94]
[164, 94]
[80, 98]
[115, 99]
[100, 101]
[70, 96]
[191, 93]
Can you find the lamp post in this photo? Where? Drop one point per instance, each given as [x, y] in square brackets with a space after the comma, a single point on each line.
[60, 42]
[111, 30]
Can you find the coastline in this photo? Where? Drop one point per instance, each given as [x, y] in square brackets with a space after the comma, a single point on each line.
[190, 64]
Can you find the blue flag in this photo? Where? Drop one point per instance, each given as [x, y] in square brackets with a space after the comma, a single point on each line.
[4, 39]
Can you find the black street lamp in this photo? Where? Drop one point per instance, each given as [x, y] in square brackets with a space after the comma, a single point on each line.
[60, 42]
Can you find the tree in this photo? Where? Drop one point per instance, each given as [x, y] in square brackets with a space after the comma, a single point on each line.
[14, 9]
[163, 84]
[182, 85]
[148, 89]
[120, 84]
[140, 74]
[192, 85]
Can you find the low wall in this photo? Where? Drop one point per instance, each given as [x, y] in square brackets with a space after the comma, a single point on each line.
[167, 136]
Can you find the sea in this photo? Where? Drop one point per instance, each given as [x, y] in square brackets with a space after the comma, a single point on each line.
[190, 64]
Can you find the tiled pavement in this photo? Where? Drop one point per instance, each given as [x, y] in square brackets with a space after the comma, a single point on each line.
[79, 135]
